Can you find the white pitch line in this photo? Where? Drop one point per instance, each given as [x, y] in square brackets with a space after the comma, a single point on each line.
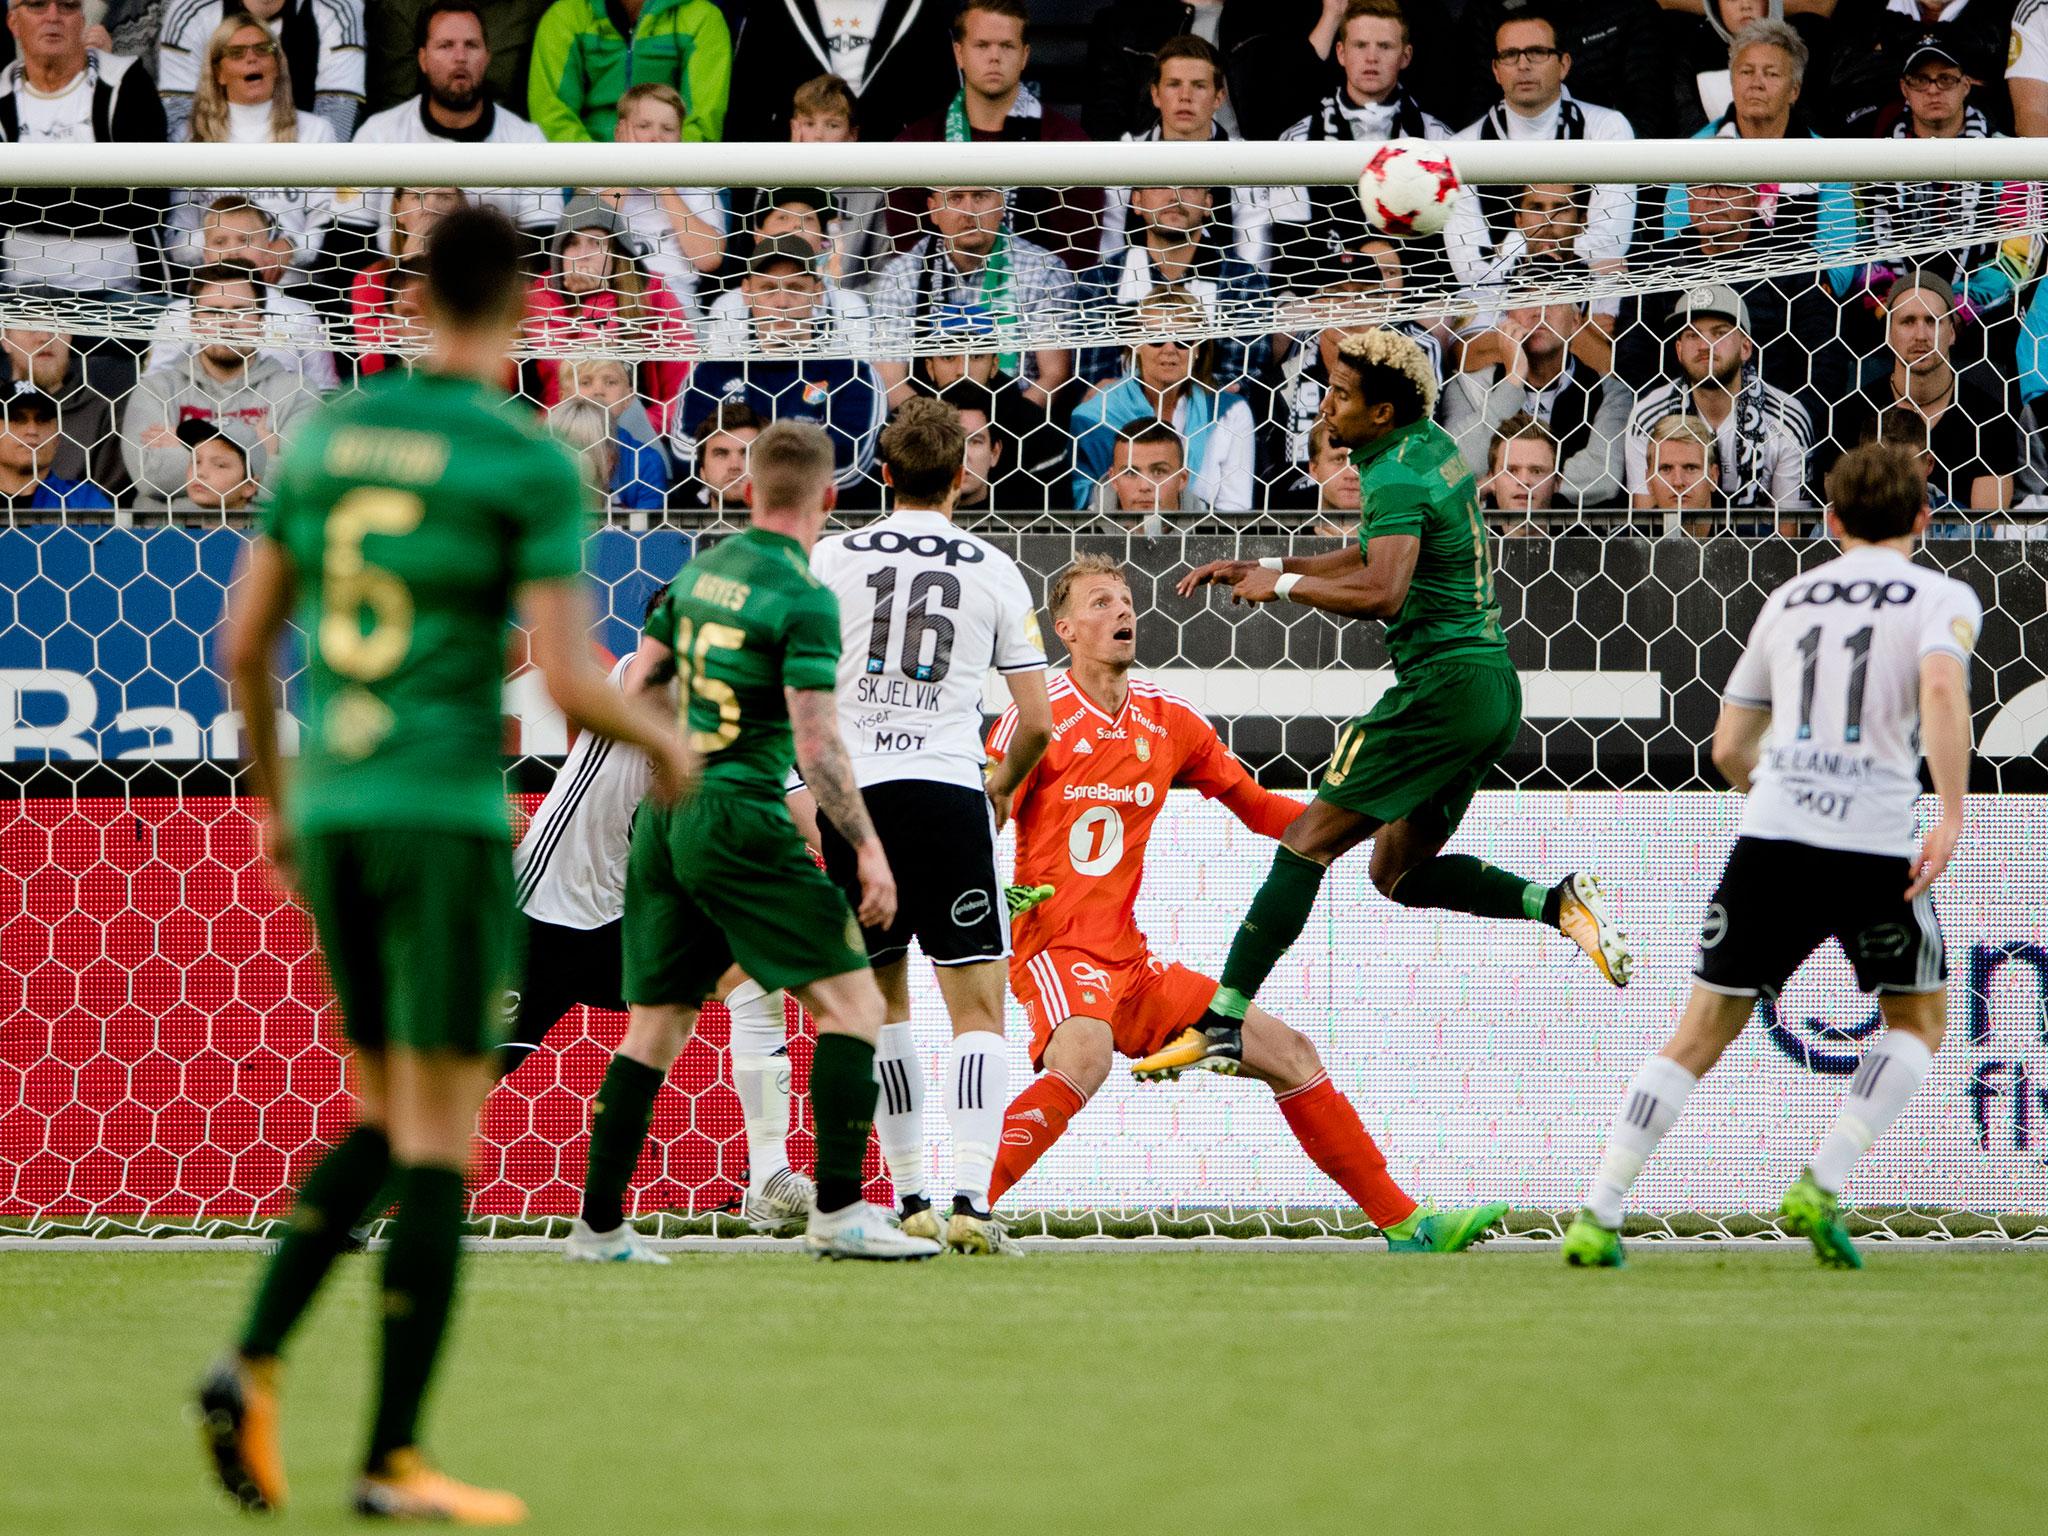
[1359, 1247]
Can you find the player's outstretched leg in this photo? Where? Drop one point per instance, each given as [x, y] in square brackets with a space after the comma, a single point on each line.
[1651, 1106]
[848, 1008]
[1890, 1073]
[1076, 1062]
[238, 1398]
[1336, 1140]
[778, 1198]
[619, 1118]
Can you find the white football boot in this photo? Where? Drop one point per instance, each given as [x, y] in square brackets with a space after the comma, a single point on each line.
[861, 1231]
[622, 1245]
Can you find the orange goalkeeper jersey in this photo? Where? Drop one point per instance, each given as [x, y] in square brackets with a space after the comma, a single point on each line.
[1084, 814]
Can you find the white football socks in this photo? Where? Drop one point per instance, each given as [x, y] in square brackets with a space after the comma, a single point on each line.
[978, 1077]
[1649, 1109]
[760, 1075]
[899, 1109]
[1891, 1071]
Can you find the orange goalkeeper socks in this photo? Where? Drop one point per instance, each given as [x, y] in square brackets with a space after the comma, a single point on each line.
[1336, 1141]
[1032, 1123]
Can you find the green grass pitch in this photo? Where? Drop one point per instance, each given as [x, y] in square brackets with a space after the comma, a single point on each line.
[1185, 1392]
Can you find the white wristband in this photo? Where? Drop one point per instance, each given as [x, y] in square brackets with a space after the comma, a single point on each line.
[1272, 563]
[1285, 585]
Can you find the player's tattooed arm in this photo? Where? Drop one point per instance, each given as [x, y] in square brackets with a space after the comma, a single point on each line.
[828, 775]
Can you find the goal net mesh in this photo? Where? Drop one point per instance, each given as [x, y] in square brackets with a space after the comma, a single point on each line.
[1649, 382]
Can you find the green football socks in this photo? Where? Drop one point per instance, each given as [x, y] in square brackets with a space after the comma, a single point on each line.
[842, 1111]
[619, 1117]
[1278, 914]
[335, 1196]
[1457, 882]
[419, 1289]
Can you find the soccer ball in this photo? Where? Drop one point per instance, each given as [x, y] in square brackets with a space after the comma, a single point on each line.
[1408, 189]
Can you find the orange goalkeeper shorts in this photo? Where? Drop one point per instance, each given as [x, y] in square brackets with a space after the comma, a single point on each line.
[1145, 1001]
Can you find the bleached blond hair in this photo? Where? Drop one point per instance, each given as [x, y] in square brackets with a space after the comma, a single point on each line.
[1394, 353]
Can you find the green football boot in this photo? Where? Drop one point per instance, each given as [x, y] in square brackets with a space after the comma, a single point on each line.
[1430, 1230]
[1815, 1215]
[1588, 1245]
[1022, 898]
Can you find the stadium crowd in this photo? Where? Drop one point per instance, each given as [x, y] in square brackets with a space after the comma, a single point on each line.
[1718, 405]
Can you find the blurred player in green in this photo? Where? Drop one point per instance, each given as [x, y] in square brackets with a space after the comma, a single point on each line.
[1405, 773]
[751, 640]
[408, 521]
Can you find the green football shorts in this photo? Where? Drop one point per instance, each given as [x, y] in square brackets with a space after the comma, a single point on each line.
[725, 878]
[1425, 748]
[421, 934]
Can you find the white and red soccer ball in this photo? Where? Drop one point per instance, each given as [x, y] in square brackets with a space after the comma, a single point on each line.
[1408, 188]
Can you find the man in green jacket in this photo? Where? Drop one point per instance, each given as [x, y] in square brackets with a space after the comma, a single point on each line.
[586, 54]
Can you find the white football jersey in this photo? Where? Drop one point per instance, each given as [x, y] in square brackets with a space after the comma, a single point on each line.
[1835, 657]
[570, 868]
[925, 611]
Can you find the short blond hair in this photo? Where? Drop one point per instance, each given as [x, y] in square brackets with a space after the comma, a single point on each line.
[1078, 569]
[1388, 352]
[1692, 429]
[791, 467]
[653, 90]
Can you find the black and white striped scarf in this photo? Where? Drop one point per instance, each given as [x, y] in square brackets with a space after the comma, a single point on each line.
[1497, 207]
[1915, 209]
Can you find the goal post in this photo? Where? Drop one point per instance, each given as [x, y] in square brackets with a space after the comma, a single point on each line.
[167, 1053]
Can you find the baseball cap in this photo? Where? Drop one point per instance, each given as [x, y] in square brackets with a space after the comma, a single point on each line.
[1713, 299]
[194, 430]
[30, 404]
[586, 212]
[1934, 45]
[793, 250]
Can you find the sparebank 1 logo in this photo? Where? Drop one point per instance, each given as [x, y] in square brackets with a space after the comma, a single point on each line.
[2004, 1028]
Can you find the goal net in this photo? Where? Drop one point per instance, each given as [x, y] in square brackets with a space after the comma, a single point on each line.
[1650, 354]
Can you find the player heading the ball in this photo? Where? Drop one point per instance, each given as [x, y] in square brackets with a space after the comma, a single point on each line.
[1405, 773]
[1849, 669]
[409, 519]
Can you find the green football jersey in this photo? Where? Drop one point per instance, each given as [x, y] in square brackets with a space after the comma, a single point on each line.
[746, 620]
[1415, 481]
[410, 511]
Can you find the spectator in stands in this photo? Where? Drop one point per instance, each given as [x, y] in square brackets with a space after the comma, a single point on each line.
[1521, 468]
[238, 231]
[1148, 477]
[807, 213]
[1339, 495]
[991, 47]
[640, 471]
[509, 26]
[1763, 433]
[89, 447]
[584, 428]
[1172, 377]
[1274, 52]
[719, 458]
[583, 63]
[981, 456]
[455, 106]
[1034, 455]
[1972, 436]
[1767, 69]
[596, 288]
[1369, 104]
[226, 467]
[1187, 92]
[824, 111]
[1535, 362]
[58, 91]
[894, 57]
[1795, 323]
[317, 54]
[1871, 39]
[1684, 466]
[1531, 61]
[383, 300]
[681, 230]
[1170, 248]
[226, 375]
[29, 440]
[2026, 70]
[973, 267]
[842, 395]
[1617, 47]
[244, 96]
[1541, 246]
